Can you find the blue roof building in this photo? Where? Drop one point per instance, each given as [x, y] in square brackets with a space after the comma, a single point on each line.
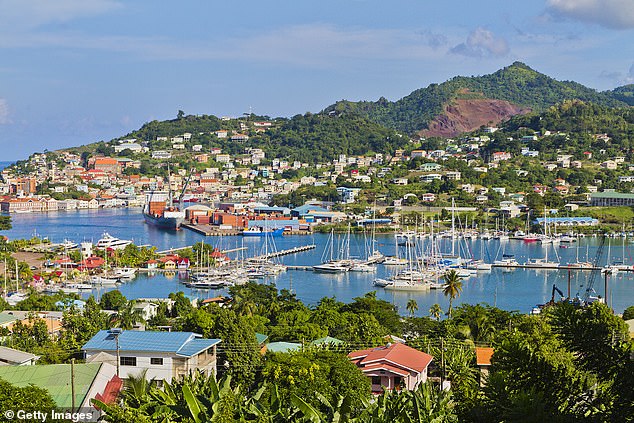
[162, 355]
[569, 221]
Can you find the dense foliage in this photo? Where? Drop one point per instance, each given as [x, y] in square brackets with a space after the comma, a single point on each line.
[567, 364]
[517, 83]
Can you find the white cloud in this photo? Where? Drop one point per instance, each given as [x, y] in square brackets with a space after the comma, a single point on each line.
[4, 112]
[482, 43]
[33, 13]
[619, 78]
[303, 45]
[617, 14]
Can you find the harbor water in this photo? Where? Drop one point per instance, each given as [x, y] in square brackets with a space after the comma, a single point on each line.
[517, 289]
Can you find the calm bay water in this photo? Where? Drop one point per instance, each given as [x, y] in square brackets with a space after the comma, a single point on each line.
[512, 290]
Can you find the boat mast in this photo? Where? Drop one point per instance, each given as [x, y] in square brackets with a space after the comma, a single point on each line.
[170, 201]
[453, 228]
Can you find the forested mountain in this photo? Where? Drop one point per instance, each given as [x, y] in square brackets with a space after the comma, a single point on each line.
[319, 137]
[574, 127]
[516, 85]
[625, 94]
[310, 138]
[460, 105]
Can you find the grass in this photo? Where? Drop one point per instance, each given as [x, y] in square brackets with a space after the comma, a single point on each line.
[610, 215]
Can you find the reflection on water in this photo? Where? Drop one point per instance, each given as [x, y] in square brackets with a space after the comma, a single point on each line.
[509, 289]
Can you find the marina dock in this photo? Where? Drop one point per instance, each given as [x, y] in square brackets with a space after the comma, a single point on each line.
[214, 230]
[280, 253]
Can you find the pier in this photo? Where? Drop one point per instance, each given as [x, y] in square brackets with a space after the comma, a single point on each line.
[307, 268]
[293, 250]
[171, 250]
[214, 230]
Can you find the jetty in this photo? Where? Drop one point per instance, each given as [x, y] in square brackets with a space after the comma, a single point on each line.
[214, 230]
[293, 250]
[171, 250]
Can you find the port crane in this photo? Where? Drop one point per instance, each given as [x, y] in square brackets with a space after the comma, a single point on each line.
[596, 264]
[182, 195]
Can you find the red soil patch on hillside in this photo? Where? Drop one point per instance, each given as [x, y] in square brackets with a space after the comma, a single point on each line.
[464, 115]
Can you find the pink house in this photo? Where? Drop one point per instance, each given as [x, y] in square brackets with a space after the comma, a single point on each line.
[394, 366]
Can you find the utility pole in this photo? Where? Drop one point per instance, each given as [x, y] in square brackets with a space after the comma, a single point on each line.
[442, 363]
[72, 384]
[605, 287]
[116, 340]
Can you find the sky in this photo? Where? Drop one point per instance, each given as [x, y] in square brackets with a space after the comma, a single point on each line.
[74, 72]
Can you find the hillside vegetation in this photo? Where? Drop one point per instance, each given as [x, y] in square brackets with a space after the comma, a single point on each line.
[517, 84]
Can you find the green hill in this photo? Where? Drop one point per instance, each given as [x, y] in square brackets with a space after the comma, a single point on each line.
[310, 138]
[517, 84]
[624, 94]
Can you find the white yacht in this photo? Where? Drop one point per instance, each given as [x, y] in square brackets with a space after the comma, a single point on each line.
[109, 241]
[395, 261]
[362, 267]
[403, 285]
[543, 263]
[103, 280]
[123, 272]
[337, 266]
[507, 260]
[478, 265]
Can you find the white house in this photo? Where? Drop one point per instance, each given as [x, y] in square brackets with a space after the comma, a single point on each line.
[348, 195]
[162, 355]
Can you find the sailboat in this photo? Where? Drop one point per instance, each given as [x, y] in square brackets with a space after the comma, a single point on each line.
[331, 264]
[395, 260]
[542, 263]
[578, 264]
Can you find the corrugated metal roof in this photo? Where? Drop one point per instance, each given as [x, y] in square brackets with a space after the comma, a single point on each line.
[56, 379]
[12, 356]
[261, 338]
[611, 194]
[283, 346]
[327, 340]
[181, 343]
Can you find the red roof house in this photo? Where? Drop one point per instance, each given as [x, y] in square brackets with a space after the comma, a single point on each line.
[394, 366]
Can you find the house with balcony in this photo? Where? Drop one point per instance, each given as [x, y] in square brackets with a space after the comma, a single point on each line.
[394, 366]
[161, 355]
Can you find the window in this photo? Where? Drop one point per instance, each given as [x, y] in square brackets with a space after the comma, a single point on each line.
[376, 380]
[158, 361]
[128, 361]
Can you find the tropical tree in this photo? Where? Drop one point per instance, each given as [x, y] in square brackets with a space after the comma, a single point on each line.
[435, 311]
[127, 316]
[412, 307]
[452, 287]
[424, 404]
[28, 398]
[113, 300]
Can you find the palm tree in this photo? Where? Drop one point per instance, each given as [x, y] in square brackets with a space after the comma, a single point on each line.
[435, 311]
[127, 316]
[452, 287]
[412, 307]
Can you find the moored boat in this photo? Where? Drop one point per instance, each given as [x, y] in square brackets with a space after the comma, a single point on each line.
[109, 241]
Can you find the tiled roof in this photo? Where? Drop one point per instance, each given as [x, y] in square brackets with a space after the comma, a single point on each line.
[384, 366]
[180, 343]
[398, 354]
